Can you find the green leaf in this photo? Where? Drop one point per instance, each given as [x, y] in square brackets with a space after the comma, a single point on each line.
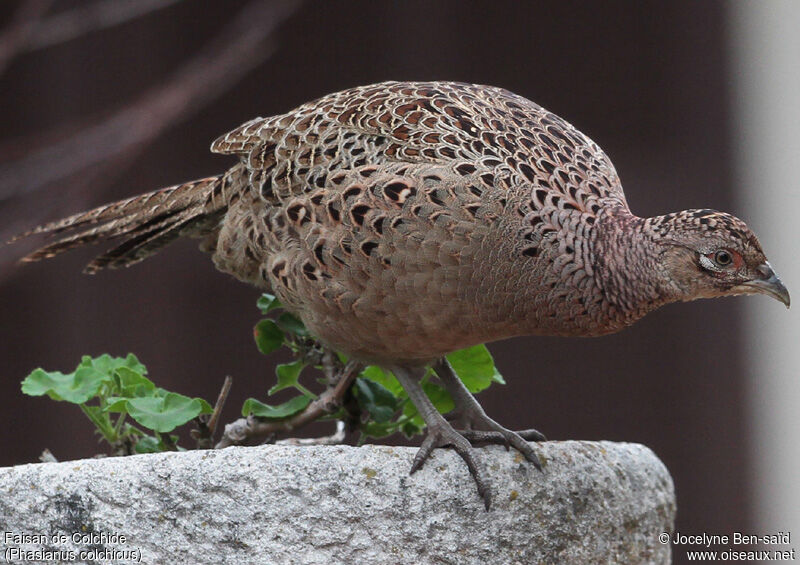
[132, 383]
[475, 367]
[205, 407]
[376, 399]
[117, 404]
[268, 302]
[291, 324]
[439, 397]
[268, 336]
[107, 364]
[411, 428]
[288, 377]
[77, 387]
[378, 430]
[148, 444]
[279, 412]
[387, 380]
[164, 414]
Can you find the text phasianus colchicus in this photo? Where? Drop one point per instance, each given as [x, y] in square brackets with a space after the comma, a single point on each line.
[402, 221]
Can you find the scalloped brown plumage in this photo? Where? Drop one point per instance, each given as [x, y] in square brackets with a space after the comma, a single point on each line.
[401, 221]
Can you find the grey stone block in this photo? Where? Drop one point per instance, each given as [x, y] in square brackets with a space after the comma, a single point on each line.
[595, 502]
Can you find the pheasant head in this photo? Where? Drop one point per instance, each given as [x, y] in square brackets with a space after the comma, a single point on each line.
[644, 263]
[708, 254]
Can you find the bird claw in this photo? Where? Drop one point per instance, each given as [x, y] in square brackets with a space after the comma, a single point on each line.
[517, 440]
[481, 429]
[496, 438]
[445, 435]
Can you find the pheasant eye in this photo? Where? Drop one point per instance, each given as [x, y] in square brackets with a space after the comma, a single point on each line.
[723, 258]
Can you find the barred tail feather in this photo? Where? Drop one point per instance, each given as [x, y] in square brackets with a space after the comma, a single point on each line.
[147, 222]
[139, 245]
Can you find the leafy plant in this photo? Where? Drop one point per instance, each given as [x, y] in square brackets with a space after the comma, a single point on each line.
[382, 406]
[109, 390]
[113, 392]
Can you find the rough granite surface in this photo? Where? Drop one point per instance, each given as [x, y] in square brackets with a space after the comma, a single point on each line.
[595, 502]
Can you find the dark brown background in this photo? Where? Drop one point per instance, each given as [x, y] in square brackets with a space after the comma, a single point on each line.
[646, 80]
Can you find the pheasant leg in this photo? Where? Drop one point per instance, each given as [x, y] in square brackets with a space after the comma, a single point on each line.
[440, 433]
[478, 427]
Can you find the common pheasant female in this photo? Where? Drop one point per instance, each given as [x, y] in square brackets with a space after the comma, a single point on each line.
[404, 220]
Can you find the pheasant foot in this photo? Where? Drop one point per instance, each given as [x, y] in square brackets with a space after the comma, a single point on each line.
[477, 426]
[440, 433]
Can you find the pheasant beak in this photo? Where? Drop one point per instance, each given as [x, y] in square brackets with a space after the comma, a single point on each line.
[766, 282]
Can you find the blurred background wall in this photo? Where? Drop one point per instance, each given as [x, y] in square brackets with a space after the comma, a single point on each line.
[105, 99]
[765, 63]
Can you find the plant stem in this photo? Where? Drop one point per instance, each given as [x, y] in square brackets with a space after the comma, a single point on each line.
[305, 391]
[118, 425]
[102, 424]
[166, 441]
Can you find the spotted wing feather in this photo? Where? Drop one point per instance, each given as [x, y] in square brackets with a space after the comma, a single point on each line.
[512, 142]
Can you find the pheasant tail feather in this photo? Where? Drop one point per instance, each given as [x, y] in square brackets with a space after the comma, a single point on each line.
[147, 222]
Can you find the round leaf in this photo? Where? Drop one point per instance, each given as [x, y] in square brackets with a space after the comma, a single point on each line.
[267, 302]
[475, 367]
[164, 414]
[268, 336]
[288, 375]
[147, 444]
[279, 412]
[291, 324]
[107, 364]
[77, 387]
[439, 397]
[387, 380]
[133, 383]
[376, 399]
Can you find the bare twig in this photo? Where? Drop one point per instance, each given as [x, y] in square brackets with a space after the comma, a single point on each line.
[223, 396]
[240, 47]
[23, 25]
[334, 439]
[252, 431]
[71, 24]
[207, 427]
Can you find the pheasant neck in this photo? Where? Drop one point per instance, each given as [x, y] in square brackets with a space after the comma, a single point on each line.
[628, 270]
